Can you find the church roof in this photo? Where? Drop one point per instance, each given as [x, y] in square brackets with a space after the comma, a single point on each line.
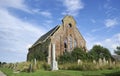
[46, 36]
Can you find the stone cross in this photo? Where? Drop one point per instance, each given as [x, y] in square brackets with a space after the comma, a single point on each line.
[54, 65]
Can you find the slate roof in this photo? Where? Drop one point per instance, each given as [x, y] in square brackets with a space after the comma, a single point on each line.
[46, 36]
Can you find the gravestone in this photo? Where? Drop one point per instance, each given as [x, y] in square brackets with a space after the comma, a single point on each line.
[35, 61]
[79, 62]
[54, 65]
[100, 61]
[94, 62]
[107, 62]
[104, 60]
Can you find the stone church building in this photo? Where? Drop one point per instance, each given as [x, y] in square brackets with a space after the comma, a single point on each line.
[65, 37]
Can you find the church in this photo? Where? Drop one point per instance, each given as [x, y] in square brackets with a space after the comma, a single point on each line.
[66, 37]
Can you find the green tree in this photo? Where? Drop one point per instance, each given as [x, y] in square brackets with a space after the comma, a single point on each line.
[79, 53]
[65, 58]
[99, 52]
[73, 56]
[117, 51]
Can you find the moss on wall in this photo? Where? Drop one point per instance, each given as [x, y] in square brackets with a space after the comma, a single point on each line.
[39, 52]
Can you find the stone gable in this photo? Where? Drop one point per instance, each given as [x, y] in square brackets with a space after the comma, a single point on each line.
[65, 37]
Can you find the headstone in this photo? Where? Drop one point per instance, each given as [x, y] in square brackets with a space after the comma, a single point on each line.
[94, 62]
[30, 68]
[113, 62]
[79, 62]
[100, 61]
[107, 62]
[104, 60]
[54, 65]
[35, 62]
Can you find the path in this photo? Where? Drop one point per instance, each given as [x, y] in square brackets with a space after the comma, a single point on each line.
[2, 74]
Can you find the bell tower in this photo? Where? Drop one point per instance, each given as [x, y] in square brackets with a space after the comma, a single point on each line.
[68, 22]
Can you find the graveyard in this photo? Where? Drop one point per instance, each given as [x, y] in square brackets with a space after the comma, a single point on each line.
[44, 72]
[84, 66]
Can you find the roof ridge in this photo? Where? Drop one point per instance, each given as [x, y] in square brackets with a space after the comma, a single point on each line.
[45, 36]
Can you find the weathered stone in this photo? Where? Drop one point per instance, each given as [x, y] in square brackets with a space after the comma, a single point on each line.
[35, 62]
[100, 61]
[107, 62]
[79, 62]
[54, 65]
[65, 36]
[94, 62]
[113, 62]
[104, 61]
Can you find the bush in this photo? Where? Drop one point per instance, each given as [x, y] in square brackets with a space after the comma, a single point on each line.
[70, 57]
[99, 52]
[46, 66]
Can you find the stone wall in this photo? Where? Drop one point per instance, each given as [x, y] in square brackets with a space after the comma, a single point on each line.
[67, 29]
[66, 38]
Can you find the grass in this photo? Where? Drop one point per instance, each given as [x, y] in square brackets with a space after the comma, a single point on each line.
[114, 72]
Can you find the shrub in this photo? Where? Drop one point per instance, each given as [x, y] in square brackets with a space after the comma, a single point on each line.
[70, 57]
[46, 66]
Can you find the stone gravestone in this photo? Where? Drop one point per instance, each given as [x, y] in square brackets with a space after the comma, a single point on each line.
[79, 62]
[107, 62]
[94, 62]
[104, 61]
[100, 61]
[35, 61]
[54, 65]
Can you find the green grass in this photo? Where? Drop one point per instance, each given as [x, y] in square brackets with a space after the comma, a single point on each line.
[7, 71]
[114, 72]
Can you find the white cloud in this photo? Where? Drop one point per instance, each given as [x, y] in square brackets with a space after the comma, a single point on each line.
[44, 13]
[73, 6]
[111, 22]
[16, 35]
[98, 29]
[19, 4]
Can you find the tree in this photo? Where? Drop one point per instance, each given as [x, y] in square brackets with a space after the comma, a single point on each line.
[99, 52]
[65, 58]
[79, 53]
[73, 56]
[117, 51]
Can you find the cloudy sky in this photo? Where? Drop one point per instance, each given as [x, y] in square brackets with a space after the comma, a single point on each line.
[22, 22]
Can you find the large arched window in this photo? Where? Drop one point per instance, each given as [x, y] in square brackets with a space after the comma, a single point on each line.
[70, 25]
[71, 42]
[75, 43]
[65, 45]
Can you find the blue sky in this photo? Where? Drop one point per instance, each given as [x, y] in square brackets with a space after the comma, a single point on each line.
[22, 22]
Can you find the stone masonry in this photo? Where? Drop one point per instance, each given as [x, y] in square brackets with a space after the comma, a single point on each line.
[65, 37]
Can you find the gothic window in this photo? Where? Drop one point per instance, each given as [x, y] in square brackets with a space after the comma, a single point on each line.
[75, 43]
[70, 25]
[70, 40]
[65, 45]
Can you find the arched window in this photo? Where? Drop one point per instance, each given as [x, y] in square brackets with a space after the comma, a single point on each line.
[69, 25]
[75, 43]
[71, 42]
[65, 45]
